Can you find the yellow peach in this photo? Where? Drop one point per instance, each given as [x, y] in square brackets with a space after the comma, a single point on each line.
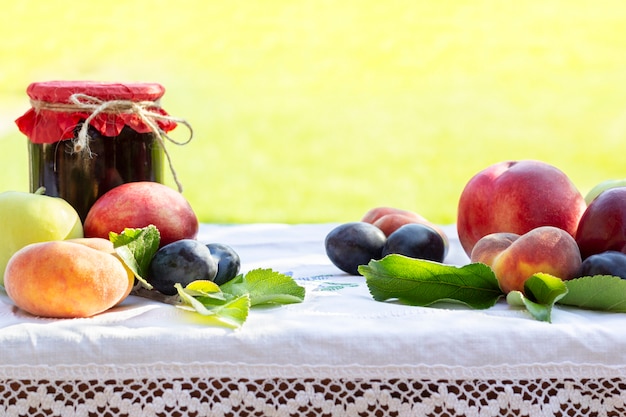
[67, 279]
[514, 258]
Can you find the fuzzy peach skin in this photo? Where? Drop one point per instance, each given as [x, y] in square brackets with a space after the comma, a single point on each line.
[516, 197]
[106, 245]
[66, 279]
[544, 249]
[490, 246]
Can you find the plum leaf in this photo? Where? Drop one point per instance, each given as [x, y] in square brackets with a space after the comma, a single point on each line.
[541, 292]
[204, 288]
[545, 288]
[136, 247]
[422, 283]
[599, 292]
[265, 286]
[229, 311]
[230, 303]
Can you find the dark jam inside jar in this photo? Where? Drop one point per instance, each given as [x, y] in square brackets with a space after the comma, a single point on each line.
[81, 179]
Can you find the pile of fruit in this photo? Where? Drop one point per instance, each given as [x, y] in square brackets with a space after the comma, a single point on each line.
[383, 231]
[139, 236]
[522, 219]
[528, 231]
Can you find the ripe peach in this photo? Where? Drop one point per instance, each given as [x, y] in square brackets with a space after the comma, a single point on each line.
[372, 215]
[490, 246]
[140, 204]
[67, 279]
[106, 245]
[516, 197]
[389, 223]
[515, 258]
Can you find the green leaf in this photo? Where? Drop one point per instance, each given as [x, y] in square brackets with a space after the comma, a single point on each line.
[136, 247]
[540, 312]
[599, 292]
[229, 311]
[229, 304]
[204, 288]
[545, 288]
[541, 292]
[265, 286]
[207, 292]
[422, 283]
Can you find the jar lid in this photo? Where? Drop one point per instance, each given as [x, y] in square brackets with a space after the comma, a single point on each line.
[61, 91]
[54, 116]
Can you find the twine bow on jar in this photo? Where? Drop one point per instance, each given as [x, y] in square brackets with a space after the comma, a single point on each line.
[94, 105]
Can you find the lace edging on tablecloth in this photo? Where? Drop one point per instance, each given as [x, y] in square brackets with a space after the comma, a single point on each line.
[321, 397]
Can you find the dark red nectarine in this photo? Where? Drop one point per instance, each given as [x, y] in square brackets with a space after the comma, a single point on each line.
[602, 226]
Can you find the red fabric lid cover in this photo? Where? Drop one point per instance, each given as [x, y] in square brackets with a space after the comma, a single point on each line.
[49, 126]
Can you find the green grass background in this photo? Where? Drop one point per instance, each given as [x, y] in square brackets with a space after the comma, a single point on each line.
[317, 110]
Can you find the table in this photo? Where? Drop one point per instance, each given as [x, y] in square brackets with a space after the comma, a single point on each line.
[339, 353]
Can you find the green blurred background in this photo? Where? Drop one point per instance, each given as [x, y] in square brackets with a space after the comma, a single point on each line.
[317, 110]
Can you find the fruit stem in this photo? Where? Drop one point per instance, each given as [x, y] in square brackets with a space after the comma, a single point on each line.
[40, 191]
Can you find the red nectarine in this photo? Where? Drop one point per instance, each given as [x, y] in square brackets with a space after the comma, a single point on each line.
[140, 204]
[516, 197]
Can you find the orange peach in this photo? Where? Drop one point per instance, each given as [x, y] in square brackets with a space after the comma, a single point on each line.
[515, 258]
[67, 279]
[106, 245]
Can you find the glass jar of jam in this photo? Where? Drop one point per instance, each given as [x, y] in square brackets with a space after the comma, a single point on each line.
[85, 138]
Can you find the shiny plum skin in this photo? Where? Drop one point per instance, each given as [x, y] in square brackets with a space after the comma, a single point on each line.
[416, 241]
[182, 261]
[352, 244]
[604, 263]
[228, 262]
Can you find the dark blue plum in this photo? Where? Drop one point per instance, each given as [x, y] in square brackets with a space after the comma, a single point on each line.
[182, 261]
[604, 263]
[352, 244]
[228, 262]
[416, 240]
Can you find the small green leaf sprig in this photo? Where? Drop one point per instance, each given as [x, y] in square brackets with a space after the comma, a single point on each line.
[419, 282]
[227, 305]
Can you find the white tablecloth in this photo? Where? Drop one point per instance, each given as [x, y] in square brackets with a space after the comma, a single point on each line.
[337, 353]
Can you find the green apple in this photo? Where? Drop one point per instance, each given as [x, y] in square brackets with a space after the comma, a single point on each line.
[27, 218]
[603, 186]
